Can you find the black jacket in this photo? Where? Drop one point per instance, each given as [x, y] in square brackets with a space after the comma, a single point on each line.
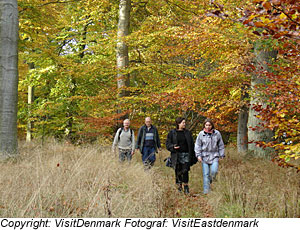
[172, 141]
[141, 138]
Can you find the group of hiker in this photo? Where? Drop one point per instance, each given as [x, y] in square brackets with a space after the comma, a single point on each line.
[208, 149]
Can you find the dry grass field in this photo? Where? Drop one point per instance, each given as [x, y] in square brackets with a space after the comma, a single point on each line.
[60, 180]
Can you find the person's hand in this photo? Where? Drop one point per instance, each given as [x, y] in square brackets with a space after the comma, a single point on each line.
[199, 159]
[132, 152]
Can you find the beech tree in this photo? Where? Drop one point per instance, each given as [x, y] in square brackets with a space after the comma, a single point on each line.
[278, 23]
[122, 48]
[256, 131]
[8, 76]
[242, 133]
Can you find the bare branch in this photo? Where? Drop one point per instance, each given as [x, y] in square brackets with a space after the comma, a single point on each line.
[167, 1]
[289, 17]
[48, 3]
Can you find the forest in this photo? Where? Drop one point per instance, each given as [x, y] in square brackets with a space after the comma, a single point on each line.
[73, 70]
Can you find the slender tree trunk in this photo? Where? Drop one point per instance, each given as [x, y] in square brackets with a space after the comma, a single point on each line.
[30, 99]
[29, 122]
[122, 48]
[242, 134]
[72, 110]
[8, 76]
[262, 59]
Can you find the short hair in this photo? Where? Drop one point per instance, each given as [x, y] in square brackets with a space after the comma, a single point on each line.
[210, 121]
[126, 120]
[178, 120]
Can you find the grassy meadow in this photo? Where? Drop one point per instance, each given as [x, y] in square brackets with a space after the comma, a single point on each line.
[61, 180]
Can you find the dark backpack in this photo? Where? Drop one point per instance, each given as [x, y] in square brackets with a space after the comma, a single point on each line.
[122, 131]
[168, 162]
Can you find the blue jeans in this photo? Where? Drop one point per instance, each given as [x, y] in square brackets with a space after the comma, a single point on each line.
[148, 155]
[209, 174]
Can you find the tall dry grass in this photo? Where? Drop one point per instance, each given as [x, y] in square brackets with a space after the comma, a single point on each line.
[60, 180]
[253, 187]
[57, 180]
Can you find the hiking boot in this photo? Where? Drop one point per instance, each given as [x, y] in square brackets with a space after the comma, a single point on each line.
[179, 187]
[186, 189]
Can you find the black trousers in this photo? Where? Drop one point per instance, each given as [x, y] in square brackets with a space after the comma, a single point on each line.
[182, 173]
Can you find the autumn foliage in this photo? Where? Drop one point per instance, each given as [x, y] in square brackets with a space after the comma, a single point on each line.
[278, 23]
[186, 57]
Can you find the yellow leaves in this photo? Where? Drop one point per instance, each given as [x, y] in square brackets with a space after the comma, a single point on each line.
[24, 36]
[265, 20]
[282, 115]
[292, 151]
[282, 16]
[235, 93]
[287, 152]
[252, 17]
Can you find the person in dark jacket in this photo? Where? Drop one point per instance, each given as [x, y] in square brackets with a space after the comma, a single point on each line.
[181, 145]
[148, 142]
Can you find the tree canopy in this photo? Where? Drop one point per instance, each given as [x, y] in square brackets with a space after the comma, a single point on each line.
[187, 58]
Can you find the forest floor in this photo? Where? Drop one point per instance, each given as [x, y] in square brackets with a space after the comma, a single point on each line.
[62, 180]
[246, 187]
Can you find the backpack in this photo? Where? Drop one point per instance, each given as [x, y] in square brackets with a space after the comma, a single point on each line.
[122, 131]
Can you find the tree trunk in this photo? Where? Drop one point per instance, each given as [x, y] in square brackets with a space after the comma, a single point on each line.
[122, 48]
[73, 107]
[242, 134]
[29, 122]
[30, 99]
[9, 28]
[262, 59]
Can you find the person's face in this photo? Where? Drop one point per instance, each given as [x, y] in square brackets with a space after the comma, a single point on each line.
[208, 126]
[148, 122]
[126, 124]
[182, 125]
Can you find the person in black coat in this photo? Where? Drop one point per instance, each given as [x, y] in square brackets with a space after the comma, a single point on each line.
[181, 145]
[148, 142]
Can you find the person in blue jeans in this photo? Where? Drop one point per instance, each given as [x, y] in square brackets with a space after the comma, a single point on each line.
[209, 149]
[148, 142]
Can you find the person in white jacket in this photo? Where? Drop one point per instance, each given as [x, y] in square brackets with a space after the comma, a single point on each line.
[124, 140]
[209, 148]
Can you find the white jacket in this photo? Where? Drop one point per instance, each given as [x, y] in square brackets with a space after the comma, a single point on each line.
[210, 147]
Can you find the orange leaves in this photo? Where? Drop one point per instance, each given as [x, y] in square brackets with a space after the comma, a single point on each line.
[281, 112]
[280, 34]
[278, 23]
[279, 18]
[259, 24]
[276, 2]
[267, 5]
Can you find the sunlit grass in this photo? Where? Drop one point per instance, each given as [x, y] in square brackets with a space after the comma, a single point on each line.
[57, 180]
[60, 180]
